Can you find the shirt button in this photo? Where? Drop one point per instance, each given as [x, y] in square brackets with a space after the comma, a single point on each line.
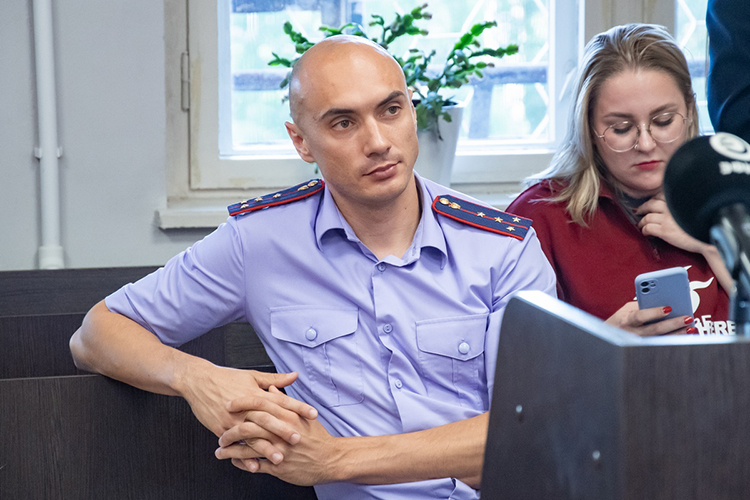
[463, 348]
[381, 267]
[398, 384]
[311, 334]
[387, 328]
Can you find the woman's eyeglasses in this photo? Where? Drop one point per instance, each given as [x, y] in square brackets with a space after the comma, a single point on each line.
[624, 136]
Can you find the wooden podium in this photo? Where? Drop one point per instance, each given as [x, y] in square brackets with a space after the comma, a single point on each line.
[582, 410]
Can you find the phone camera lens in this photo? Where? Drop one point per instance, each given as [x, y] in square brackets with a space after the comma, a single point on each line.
[644, 289]
[644, 283]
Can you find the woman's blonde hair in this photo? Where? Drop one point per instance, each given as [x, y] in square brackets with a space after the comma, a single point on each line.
[577, 168]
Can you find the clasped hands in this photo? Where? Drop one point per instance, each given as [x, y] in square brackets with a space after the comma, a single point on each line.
[277, 436]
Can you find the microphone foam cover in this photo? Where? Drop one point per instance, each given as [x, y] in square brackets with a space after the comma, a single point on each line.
[704, 175]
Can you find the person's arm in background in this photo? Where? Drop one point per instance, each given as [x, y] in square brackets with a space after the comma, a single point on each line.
[728, 25]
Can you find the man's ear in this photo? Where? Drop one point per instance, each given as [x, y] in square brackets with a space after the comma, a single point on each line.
[299, 142]
[413, 108]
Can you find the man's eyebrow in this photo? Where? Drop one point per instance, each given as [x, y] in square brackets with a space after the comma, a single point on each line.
[396, 94]
[334, 112]
[391, 97]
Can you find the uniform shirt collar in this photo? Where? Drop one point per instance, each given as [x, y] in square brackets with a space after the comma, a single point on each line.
[330, 223]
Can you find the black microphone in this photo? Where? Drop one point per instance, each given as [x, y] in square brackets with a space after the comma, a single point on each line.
[707, 188]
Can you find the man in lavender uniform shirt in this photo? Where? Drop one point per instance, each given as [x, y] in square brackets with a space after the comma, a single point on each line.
[377, 294]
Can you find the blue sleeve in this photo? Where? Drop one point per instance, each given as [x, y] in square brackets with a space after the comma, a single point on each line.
[198, 290]
[728, 24]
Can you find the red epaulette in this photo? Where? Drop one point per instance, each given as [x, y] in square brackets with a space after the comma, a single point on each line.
[482, 217]
[288, 195]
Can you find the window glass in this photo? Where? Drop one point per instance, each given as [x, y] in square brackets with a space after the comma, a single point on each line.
[691, 34]
[511, 104]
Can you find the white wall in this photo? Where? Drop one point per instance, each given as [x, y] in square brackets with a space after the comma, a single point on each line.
[110, 69]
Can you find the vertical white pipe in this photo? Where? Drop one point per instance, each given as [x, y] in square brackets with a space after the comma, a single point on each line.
[50, 252]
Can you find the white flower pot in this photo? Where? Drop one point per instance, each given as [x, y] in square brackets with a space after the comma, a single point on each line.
[435, 160]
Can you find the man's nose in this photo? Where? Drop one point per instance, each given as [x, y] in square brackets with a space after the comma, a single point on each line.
[376, 140]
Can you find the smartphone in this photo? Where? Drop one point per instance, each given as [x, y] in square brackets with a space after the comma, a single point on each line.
[667, 287]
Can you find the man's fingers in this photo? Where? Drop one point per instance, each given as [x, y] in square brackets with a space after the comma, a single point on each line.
[260, 425]
[265, 379]
[291, 404]
[248, 465]
[271, 402]
[259, 448]
[244, 432]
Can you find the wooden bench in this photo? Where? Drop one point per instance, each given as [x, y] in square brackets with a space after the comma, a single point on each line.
[66, 434]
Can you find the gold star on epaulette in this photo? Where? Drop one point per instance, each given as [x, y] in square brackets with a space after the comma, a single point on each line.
[277, 195]
[259, 198]
[480, 216]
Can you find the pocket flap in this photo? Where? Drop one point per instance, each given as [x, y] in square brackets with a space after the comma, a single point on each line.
[458, 338]
[312, 326]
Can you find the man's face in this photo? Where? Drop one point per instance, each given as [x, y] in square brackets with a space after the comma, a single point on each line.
[355, 119]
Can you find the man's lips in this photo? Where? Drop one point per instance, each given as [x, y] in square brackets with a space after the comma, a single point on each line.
[382, 169]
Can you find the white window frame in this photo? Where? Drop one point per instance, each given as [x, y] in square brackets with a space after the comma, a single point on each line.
[198, 177]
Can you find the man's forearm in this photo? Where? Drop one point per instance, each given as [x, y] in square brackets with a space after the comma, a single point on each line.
[118, 347]
[451, 450]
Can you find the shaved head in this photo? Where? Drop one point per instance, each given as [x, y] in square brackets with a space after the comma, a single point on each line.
[311, 69]
[354, 118]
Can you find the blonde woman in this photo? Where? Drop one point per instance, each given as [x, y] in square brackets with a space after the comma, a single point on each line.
[599, 210]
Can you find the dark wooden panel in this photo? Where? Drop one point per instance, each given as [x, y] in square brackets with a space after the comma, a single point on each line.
[243, 348]
[686, 421]
[89, 437]
[24, 293]
[37, 346]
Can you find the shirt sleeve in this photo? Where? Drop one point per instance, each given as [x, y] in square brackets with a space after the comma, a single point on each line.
[729, 71]
[525, 268]
[197, 290]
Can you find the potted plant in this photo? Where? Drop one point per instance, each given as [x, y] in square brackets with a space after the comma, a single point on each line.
[436, 111]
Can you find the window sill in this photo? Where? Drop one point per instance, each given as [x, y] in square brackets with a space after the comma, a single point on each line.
[203, 215]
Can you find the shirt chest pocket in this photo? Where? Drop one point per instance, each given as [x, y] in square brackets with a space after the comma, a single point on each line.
[326, 343]
[451, 357]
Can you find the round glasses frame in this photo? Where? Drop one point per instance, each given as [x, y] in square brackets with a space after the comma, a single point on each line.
[685, 121]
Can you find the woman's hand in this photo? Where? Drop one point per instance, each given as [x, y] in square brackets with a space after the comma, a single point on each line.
[635, 320]
[657, 221]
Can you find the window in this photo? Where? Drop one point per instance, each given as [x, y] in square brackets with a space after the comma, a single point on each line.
[514, 110]
[233, 136]
[692, 37]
